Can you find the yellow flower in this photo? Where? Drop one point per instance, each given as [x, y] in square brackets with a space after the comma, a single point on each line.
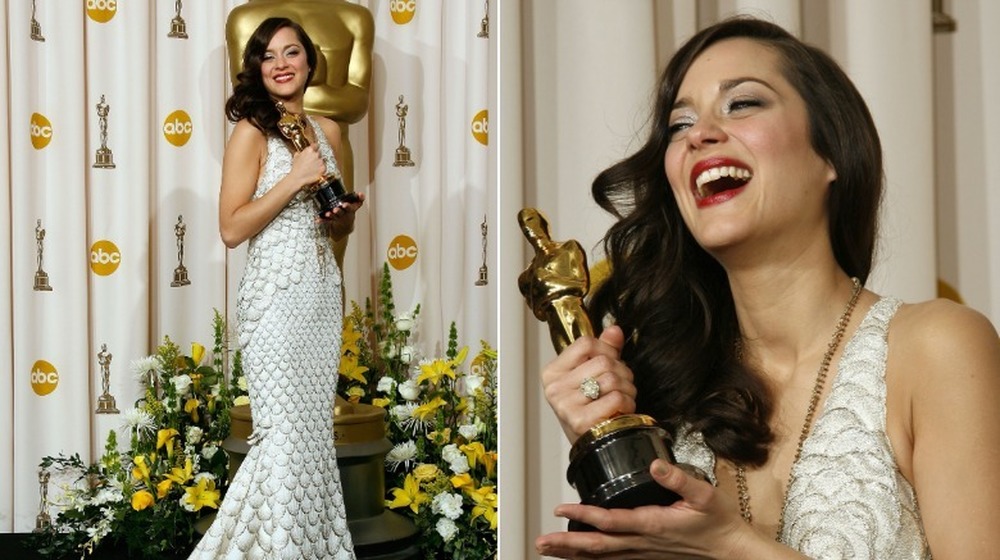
[426, 410]
[460, 357]
[350, 338]
[350, 369]
[463, 481]
[166, 437]
[191, 407]
[355, 393]
[489, 460]
[380, 402]
[141, 470]
[435, 371]
[197, 352]
[201, 495]
[486, 504]
[473, 451]
[162, 487]
[441, 437]
[142, 500]
[181, 475]
[241, 400]
[425, 471]
[408, 495]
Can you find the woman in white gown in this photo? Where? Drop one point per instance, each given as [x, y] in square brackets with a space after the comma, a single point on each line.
[286, 499]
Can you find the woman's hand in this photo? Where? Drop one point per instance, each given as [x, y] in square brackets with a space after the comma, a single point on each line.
[596, 358]
[340, 220]
[308, 167]
[703, 523]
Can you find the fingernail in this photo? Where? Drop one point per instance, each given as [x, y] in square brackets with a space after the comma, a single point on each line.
[659, 469]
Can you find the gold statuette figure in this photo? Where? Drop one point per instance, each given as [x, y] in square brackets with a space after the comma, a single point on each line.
[36, 28]
[43, 520]
[105, 402]
[178, 27]
[403, 157]
[41, 277]
[484, 273]
[484, 24]
[104, 159]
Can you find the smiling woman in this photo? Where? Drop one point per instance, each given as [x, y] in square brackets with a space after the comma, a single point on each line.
[822, 413]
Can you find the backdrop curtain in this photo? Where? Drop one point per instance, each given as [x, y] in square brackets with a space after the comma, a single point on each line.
[117, 243]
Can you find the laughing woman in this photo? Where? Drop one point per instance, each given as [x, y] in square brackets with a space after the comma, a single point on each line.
[832, 422]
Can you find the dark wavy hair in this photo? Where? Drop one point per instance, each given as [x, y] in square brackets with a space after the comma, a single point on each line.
[673, 299]
[250, 100]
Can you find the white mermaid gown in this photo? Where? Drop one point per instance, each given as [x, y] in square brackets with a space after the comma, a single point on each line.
[286, 500]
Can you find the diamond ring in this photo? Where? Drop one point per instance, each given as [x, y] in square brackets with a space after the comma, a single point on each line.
[590, 388]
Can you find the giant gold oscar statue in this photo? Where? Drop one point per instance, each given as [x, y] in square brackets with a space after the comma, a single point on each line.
[344, 35]
[609, 464]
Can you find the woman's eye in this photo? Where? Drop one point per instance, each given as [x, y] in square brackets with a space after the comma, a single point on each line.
[743, 103]
[677, 128]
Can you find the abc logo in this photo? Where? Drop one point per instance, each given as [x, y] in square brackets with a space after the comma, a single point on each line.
[41, 131]
[177, 128]
[104, 257]
[480, 127]
[476, 367]
[44, 378]
[402, 10]
[102, 11]
[402, 252]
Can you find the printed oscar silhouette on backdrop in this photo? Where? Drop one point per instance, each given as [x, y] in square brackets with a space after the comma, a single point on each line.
[104, 158]
[403, 156]
[178, 27]
[41, 277]
[344, 35]
[181, 272]
[484, 273]
[36, 28]
[106, 402]
[43, 520]
[609, 465]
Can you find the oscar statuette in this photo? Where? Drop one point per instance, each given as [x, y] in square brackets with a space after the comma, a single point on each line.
[181, 271]
[178, 27]
[43, 520]
[328, 192]
[41, 277]
[106, 402]
[609, 464]
[403, 156]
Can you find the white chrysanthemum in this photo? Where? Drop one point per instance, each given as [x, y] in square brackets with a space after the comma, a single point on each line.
[139, 420]
[142, 366]
[468, 431]
[409, 390]
[194, 434]
[182, 382]
[460, 465]
[386, 384]
[451, 452]
[209, 451]
[448, 504]
[402, 454]
[446, 528]
[403, 412]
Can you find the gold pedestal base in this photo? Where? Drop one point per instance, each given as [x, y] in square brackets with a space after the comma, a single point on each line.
[180, 277]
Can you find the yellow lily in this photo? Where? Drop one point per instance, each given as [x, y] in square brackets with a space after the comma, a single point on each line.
[473, 451]
[201, 495]
[350, 339]
[409, 495]
[425, 411]
[141, 470]
[489, 460]
[163, 487]
[181, 475]
[142, 500]
[435, 371]
[197, 353]
[486, 504]
[166, 437]
[457, 361]
[351, 369]
[463, 481]
[191, 407]
[380, 402]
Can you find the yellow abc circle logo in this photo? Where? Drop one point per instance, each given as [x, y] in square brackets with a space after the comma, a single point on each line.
[177, 128]
[41, 131]
[402, 252]
[102, 11]
[104, 257]
[44, 378]
[402, 10]
[480, 127]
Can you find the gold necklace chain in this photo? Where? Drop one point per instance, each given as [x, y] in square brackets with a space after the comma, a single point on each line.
[824, 366]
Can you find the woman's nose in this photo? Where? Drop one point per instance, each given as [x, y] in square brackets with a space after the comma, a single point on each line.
[705, 131]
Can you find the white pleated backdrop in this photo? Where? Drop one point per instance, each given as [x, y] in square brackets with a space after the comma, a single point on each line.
[576, 80]
[110, 245]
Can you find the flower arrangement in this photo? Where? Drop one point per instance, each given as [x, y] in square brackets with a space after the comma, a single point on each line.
[441, 419]
[148, 497]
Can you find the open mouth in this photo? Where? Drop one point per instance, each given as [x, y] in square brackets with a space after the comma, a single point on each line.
[711, 182]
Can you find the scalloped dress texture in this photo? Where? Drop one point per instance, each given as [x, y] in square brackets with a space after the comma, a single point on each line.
[846, 497]
[286, 500]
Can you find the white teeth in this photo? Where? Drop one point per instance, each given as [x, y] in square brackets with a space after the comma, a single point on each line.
[715, 173]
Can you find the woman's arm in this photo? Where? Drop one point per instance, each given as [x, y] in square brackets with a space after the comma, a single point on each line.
[241, 216]
[341, 220]
[950, 355]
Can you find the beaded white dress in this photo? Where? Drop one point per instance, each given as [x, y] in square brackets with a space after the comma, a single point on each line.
[846, 498]
[286, 500]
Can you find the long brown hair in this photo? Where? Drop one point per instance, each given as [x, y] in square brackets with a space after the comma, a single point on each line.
[674, 299]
